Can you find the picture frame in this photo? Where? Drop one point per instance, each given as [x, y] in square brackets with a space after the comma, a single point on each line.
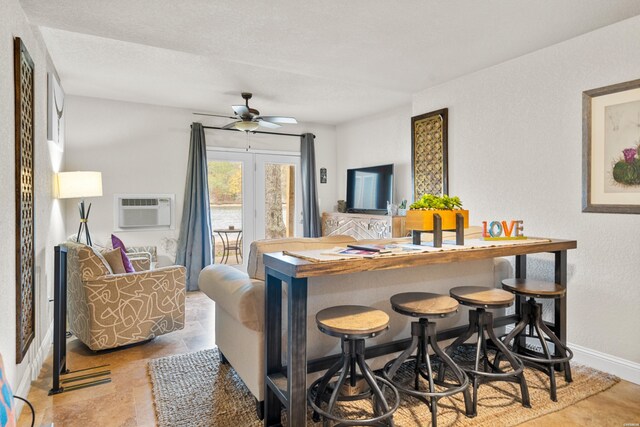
[55, 112]
[611, 149]
[429, 153]
[24, 72]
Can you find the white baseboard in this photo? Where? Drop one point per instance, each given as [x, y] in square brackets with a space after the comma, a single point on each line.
[33, 369]
[42, 354]
[625, 369]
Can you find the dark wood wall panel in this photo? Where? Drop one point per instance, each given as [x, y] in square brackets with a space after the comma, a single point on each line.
[24, 187]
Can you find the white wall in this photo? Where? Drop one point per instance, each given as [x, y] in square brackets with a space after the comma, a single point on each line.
[49, 226]
[376, 140]
[515, 151]
[142, 148]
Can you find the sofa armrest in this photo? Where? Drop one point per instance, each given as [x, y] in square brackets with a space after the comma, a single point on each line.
[150, 251]
[141, 261]
[236, 293]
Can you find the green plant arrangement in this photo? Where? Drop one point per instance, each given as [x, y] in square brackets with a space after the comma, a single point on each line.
[430, 202]
[421, 212]
[626, 170]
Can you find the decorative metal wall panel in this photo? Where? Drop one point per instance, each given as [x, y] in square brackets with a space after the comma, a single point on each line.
[25, 251]
[429, 153]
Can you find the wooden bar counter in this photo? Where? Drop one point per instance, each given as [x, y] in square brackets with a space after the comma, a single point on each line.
[287, 385]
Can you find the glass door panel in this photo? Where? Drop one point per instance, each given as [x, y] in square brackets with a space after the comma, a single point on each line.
[277, 186]
[229, 178]
[256, 194]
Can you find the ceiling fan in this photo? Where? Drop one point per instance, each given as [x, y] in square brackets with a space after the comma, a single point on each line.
[249, 119]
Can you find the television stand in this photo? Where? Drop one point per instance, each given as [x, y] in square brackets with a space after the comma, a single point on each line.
[363, 226]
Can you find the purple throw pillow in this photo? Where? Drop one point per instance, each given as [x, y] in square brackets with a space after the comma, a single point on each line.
[117, 243]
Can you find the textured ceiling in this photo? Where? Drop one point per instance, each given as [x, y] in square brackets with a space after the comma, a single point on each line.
[323, 61]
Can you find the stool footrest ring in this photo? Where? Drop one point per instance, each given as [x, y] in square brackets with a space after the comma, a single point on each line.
[363, 422]
[451, 388]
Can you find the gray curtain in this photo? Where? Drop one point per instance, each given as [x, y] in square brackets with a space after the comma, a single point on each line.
[194, 243]
[310, 209]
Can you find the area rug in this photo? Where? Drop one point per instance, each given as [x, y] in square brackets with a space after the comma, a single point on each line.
[195, 389]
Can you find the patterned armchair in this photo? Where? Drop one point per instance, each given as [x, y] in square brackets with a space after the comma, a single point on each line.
[107, 310]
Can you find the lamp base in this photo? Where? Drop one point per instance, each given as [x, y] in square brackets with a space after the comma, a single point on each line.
[84, 223]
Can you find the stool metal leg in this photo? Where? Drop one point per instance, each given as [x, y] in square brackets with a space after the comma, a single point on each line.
[513, 361]
[432, 388]
[515, 332]
[472, 329]
[352, 357]
[423, 335]
[532, 317]
[336, 391]
[403, 357]
[366, 373]
[476, 380]
[342, 363]
[480, 321]
[457, 372]
[416, 368]
[547, 355]
[560, 347]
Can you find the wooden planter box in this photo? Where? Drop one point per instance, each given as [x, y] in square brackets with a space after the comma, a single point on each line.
[423, 220]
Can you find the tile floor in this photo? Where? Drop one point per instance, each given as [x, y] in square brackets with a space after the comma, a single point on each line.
[126, 401]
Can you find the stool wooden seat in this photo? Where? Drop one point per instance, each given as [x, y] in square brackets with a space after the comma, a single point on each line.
[479, 296]
[427, 306]
[352, 324]
[481, 325]
[424, 304]
[546, 360]
[534, 288]
[354, 321]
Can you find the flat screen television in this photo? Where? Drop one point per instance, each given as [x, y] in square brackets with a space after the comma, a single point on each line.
[369, 189]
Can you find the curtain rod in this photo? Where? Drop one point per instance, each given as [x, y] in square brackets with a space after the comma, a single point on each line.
[256, 131]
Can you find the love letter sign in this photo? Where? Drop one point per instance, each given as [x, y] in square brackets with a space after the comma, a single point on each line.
[500, 230]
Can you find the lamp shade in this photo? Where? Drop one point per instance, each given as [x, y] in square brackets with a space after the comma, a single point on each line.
[79, 184]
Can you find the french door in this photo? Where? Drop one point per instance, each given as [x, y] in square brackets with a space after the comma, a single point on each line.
[257, 193]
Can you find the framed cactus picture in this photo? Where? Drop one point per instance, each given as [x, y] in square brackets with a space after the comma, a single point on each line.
[611, 149]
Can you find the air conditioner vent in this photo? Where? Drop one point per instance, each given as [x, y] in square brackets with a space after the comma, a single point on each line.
[144, 212]
[139, 202]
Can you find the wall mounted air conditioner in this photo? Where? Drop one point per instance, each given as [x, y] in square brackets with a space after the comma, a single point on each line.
[144, 211]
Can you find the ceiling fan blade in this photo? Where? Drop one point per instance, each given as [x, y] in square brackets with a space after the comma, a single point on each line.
[241, 110]
[229, 126]
[278, 119]
[269, 125]
[214, 115]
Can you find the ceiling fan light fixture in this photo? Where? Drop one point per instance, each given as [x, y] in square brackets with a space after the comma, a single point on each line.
[246, 126]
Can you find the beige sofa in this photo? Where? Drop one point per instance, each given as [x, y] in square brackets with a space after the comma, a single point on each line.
[239, 300]
[107, 310]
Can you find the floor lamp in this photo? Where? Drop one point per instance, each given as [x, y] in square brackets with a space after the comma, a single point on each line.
[79, 185]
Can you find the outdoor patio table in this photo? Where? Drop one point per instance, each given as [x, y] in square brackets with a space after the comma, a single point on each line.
[230, 245]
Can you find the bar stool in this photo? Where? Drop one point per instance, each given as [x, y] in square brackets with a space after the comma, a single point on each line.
[427, 306]
[532, 317]
[481, 321]
[352, 324]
